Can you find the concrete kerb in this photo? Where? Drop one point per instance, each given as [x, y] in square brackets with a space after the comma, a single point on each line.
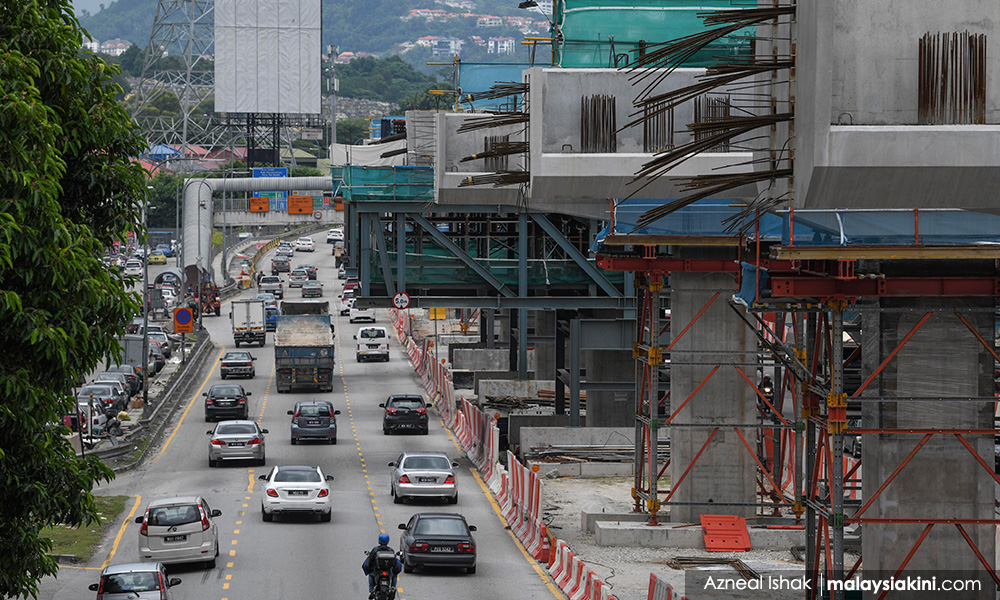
[182, 381]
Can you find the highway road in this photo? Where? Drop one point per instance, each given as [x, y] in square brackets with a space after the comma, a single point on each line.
[303, 557]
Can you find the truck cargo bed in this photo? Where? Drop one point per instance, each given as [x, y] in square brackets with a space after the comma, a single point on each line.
[303, 330]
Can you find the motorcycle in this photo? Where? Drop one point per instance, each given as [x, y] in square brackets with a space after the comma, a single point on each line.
[385, 562]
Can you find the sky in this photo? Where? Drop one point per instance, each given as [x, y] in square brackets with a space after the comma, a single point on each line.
[90, 5]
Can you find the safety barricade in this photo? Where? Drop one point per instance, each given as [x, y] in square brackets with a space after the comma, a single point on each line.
[661, 590]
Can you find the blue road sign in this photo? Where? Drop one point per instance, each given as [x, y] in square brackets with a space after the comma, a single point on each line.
[184, 316]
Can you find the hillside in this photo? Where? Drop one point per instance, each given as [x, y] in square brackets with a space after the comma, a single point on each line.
[369, 26]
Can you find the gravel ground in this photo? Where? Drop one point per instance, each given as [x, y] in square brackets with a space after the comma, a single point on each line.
[628, 569]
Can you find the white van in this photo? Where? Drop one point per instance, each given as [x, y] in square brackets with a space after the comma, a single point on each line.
[372, 342]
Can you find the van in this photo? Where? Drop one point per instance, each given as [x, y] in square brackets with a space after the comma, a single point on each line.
[372, 342]
[179, 530]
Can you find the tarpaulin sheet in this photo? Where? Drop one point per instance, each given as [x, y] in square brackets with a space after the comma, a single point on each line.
[347, 154]
[891, 228]
[479, 77]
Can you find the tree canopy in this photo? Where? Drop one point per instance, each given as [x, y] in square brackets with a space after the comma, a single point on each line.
[67, 191]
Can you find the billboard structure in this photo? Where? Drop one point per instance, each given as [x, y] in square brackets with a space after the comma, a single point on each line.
[267, 56]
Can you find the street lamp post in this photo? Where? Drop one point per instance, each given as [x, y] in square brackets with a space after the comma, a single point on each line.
[145, 310]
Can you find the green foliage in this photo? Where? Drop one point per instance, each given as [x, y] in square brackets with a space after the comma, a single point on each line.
[163, 200]
[349, 131]
[390, 80]
[131, 60]
[306, 172]
[67, 190]
[167, 104]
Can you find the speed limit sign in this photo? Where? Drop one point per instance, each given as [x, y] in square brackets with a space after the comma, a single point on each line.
[401, 300]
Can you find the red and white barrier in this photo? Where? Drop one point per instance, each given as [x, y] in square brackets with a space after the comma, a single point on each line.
[661, 590]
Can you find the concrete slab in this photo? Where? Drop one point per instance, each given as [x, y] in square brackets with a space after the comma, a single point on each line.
[684, 535]
[589, 518]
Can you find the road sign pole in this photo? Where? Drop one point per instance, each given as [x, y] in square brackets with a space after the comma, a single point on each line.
[183, 354]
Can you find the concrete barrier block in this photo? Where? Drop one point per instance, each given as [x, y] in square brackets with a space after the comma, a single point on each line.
[678, 535]
[589, 518]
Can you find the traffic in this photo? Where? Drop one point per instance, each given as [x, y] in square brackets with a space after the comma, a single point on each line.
[303, 459]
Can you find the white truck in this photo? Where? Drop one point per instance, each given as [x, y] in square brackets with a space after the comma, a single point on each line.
[247, 317]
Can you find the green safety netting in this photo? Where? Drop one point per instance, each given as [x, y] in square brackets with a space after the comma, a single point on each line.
[606, 33]
[404, 184]
[447, 270]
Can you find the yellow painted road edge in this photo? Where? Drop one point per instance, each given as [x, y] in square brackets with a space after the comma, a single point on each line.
[180, 421]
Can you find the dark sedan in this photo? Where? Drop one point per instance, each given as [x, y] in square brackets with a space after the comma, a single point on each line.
[131, 373]
[404, 413]
[438, 540]
[280, 264]
[314, 420]
[226, 400]
[237, 363]
[310, 270]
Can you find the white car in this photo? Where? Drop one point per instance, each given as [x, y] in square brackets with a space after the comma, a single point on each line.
[133, 267]
[346, 302]
[372, 342]
[297, 277]
[304, 244]
[295, 489]
[335, 235]
[356, 314]
[179, 530]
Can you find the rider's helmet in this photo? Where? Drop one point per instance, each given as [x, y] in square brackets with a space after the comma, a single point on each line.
[383, 538]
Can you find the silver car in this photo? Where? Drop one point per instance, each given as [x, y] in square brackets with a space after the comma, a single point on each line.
[236, 440]
[424, 474]
[179, 530]
[135, 581]
[297, 278]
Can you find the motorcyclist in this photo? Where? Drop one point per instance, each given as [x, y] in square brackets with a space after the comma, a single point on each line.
[370, 567]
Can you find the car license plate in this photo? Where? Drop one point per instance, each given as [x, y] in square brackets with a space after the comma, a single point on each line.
[442, 549]
[312, 422]
[373, 346]
[237, 443]
[175, 538]
[297, 492]
[426, 479]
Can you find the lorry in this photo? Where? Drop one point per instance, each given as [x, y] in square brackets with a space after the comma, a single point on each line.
[133, 347]
[303, 346]
[248, 321]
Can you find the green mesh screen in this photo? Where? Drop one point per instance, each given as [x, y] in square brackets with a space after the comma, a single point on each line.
[606, 33]
[388, 183]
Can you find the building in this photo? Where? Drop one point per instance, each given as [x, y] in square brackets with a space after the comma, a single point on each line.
[447, 47]
[427, 41]
[501, 45]
[91, 44]
[115, 47]
[489, 21]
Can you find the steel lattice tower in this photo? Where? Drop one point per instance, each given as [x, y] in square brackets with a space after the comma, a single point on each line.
[183, 28]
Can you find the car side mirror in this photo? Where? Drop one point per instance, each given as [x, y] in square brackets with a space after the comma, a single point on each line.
[94, 587]
[329, 477]
[472, 527]
[391, 464]
[263, 477]
[355, 337]
[209, 432]
[216, 513]
[264, 431]
[402, 525]
[249, 393]
[291, 412]
[253, 358]
[138, 519]
[336, 412]
[174, 581]
[454, 463]
[382, 405]
[205, 394]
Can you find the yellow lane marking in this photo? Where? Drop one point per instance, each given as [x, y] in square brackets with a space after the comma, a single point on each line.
[534, 564]
[228, 577]
[121, 531]
[229, 565]
[250, 485]
[232, 553]
[190, 404]
[236, 531]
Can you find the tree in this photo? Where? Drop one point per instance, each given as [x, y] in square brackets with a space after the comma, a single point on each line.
[67, 191]
[131, 60]
[349, 131]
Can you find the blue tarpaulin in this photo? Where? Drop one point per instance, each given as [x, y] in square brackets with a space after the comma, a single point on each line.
[162, 152]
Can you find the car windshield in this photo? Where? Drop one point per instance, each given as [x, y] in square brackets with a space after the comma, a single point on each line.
[109, 377]
[444, 526]
[130, 582]
[427, 462]
[371, 334]
[297, 475]
[235, 428]
[226, 390]
[170, 516]
[407, 403]
[314, 410]
[236, 356]
[96, 390]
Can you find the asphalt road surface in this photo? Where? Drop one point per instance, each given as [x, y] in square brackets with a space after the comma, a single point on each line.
[303, 557]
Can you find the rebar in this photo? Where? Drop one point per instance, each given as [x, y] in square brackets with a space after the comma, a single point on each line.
[598, 118]
[952, 86]
[494, 120]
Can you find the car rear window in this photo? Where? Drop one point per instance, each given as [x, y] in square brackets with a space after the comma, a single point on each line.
[170, 516]
[440, 527]
[371, 334]
[97, 390]
[297, 475]
[270, 279]
[226, 390]
[407, 403]
[235, 428]
[130, 582]
[314, 410]
[427, 462]
[236, 356]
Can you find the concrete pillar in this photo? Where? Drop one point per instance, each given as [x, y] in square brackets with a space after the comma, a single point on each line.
[943, 480]
[610, 409]
[545, 351]
[725, 471]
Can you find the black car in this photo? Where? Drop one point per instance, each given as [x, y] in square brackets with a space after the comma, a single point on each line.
[226, 400]
[316, 420]
[239, 363]
[404, 412]
[131, 374]
[438, 540]
[310, 269]
[156, 355]
[280, 264]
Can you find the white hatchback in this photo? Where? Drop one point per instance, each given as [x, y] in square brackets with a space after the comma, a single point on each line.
[295, 489]
[360, 314]
[372, 342]
[133, 267]
[179, 530]
[304, 244]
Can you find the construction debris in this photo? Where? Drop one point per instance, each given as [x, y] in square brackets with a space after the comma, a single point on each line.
[565, 453]
[693, 562]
